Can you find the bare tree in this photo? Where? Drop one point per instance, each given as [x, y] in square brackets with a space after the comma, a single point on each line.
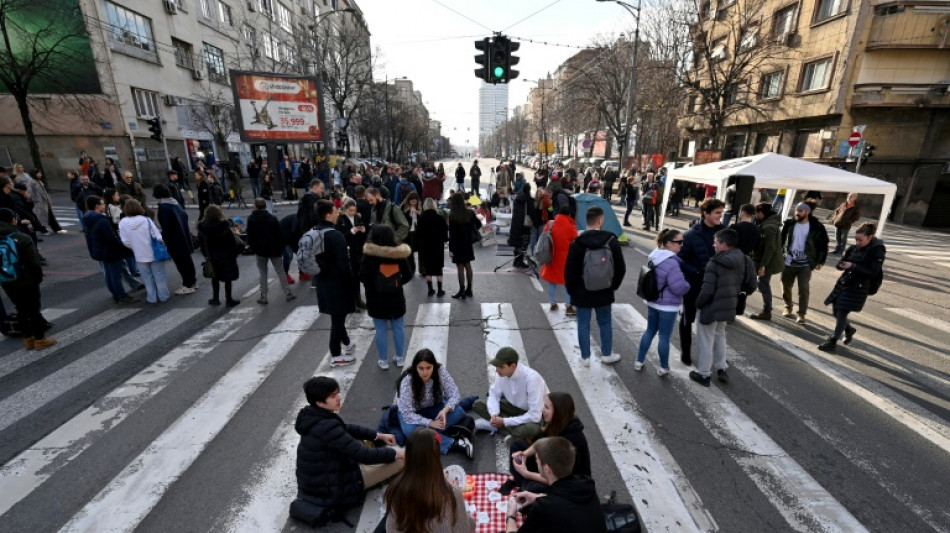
[214, 112]
[47, 50]
[347, 65]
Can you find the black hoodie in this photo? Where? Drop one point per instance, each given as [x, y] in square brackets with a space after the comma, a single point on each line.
[571, 504]
[574, 269]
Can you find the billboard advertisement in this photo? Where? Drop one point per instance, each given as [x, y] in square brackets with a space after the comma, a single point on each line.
[276, 108]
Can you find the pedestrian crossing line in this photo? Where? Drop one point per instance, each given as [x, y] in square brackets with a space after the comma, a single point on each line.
[270, 494]
[22, 357]
[501, 329]
[926, 320]
[797, 496]
[670, 503]
[56, 314]
[932, 430]
[26, 401]
[23, 474]
[945, 265]
[132, 494]
[430, 330]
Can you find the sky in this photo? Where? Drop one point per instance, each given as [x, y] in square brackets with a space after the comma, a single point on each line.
[432, 43]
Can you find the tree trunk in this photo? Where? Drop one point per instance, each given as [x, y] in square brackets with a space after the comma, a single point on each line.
[24, 107]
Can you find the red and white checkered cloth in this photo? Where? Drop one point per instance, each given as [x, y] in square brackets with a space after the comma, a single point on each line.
[482, 505]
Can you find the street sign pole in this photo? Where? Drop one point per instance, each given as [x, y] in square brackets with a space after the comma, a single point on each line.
[857, 167]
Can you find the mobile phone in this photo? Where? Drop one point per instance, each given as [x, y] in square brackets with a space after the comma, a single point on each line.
[519, 460]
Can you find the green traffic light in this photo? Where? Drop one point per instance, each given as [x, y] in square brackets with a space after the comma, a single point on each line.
[499, 72]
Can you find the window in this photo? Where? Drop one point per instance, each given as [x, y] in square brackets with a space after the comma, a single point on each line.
[271, 46]
[287, 54]
[717, 50]
[829, 8]
[733, 93]
[130, 28]
[771, 86]
[224, 14]
[816, 75]
[247, 31]
[146, 103]
[283, 17]
[214, 59]
[784, 22]
[206, 9]
[749, 37]
[183, 54]
[266, 7]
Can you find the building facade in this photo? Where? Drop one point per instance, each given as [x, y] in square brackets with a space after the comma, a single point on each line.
[492, 111]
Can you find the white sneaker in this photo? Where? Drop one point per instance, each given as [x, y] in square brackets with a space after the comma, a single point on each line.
[638, 366]
[185, 290]
[383, 364]
[662, 372]
[610, 359]
[342, 360]
[483, 425]
[585, 362]
[349, 348]
[400, 361]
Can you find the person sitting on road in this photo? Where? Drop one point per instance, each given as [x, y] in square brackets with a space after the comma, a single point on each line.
[428, 397]
[571, 502]
[333, 464]
[515, 399]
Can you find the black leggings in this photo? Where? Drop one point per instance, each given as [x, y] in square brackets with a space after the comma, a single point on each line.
[338, 336]
[841, 321]
[686, 328]
[464, 273]
[216, 289]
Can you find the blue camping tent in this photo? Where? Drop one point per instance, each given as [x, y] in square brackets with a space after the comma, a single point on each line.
[611, 222]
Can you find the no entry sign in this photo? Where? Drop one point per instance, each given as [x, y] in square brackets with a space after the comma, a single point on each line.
[855, 138]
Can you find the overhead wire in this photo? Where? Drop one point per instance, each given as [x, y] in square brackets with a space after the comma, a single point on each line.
[466, 17]
[531, 15]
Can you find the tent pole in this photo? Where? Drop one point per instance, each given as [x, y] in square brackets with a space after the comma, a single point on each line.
[666, 200]
[885, 211]
[787, 204]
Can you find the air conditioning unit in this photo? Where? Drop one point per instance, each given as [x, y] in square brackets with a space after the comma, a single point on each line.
[171, 100]
[792, 39]
[170, 6]
[196, 74]
[251, 6]
[257, 52]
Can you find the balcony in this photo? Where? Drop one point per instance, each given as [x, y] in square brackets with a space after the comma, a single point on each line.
[910, 25]
[935, 95]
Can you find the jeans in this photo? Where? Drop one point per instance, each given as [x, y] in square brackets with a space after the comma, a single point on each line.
[603, 323]
[552, 293]
[452, 418]
[841, 239]
[535, 235]
[256, 187]
[338, 334]
[112, 270]
[82, 223]
[26, 299]
[262, 272]
[156, 285]
[397, 325]
[711, 342]
[662, 322]
[127, 276]
[288, 256]
[630, 207]
[765, 288]
[133, 265]
[647, 214]
[803, 276]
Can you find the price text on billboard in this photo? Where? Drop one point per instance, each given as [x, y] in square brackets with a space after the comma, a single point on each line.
[274, 107]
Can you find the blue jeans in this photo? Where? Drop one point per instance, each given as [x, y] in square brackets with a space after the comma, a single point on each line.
[256, 187]
[452, 418]
[382, 337]
[841, 239]
[112, 270]
[288, 256]
[156, 285]
[603, 323]
[552, 293]
[82, 223]
[663, 322]
[535, 235]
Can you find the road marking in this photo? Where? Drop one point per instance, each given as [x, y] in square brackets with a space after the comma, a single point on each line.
[23, 474]
[56, 314]
[20, 358]
[132, 494]
[931, 430]
[26, 401]
[536, 283]
[270, 495]
[945, 265]
[664, 498]
[501, 329]
[926, 320]
[792, 490]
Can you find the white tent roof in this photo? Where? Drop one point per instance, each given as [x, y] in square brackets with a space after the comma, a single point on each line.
[774, 171]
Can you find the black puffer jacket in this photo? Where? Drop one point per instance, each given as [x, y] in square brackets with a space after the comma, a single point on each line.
[571, 504]
[264, 235]
[851, 290]
[218, 245]
[696, 252]
[329, 455]
[725, 275]
[574, 269]
[379, 305]
[335, 280]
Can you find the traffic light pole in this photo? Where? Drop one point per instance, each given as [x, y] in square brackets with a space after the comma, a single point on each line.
[857, 167]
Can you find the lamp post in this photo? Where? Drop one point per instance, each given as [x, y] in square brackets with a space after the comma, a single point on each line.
[625, 144]
[318, 64]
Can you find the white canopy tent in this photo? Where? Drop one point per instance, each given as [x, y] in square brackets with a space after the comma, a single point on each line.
[774, 171]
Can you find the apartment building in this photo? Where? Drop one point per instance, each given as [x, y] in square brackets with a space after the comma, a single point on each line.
[833, 67]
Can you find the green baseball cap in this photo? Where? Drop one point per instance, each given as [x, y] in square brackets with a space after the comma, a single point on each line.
[505, 356]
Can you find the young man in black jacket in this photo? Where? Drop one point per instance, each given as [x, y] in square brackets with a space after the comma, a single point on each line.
[571, 502]
[333, 465]
[267, 243]
[24, 291]
[697, 250]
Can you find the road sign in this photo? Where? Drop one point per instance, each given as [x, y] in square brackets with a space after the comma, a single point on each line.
[855, 138]
[586, 143]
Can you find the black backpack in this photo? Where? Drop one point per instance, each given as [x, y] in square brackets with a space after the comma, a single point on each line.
[620, 517]
[388, 278]
[315, 512]
[648, 287]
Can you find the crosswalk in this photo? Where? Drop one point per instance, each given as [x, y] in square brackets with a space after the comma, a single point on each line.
[628, 442]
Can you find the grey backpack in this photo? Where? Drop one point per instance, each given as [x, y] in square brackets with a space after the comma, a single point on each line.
[544, 249]
[599, 268]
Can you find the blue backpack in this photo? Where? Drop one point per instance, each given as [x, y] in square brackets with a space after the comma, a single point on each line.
[10, 266]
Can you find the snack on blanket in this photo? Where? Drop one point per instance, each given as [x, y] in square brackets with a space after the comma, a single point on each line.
[469, 489]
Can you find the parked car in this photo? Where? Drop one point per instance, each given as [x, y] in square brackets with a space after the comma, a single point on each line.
[615, 165]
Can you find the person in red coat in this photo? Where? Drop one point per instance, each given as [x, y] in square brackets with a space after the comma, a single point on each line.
[563, 233]
[432, 185]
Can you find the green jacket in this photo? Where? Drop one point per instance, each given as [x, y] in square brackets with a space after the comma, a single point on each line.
[32, 271]
[769, 252]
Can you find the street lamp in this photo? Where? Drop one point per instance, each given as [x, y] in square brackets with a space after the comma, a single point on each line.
[319, 74]
[625, 142]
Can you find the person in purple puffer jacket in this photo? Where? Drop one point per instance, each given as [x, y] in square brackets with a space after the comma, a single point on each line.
[662, 313]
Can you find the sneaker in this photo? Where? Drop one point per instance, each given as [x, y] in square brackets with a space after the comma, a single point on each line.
[764, 315]
[400, 362]
[467, 446]
[508, 440]
[342, 360]
[232, 303]
[610, 359]
[42, 344]
[662, 372]
[262, 300]
[62, 232]
[698, 378]
[384, 364]
[553, 307]
[800, 319]
[185, 290]
[848, 334]
[128, 300]
[483, 425]
[788, 313]
[722, 375]
[638, 366]
[829, 345]
[585, 362]
[349, 348]
[570, 311]
[290, 280]
[289, 296]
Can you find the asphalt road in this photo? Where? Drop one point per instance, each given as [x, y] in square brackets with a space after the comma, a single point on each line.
[178, 417]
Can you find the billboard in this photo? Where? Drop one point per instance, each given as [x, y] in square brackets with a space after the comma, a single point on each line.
[276, 107]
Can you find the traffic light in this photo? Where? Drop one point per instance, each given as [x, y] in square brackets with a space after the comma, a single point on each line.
[499, 59]
[512, 60]
[155, 126]
[868, 150]
[483, 46]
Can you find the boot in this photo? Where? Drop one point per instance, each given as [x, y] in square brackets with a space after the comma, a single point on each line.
[468, 291]
[431, 290]
[440, 292]
[460, 295]
[42, 344]
[764, 315]
[29, 343]
[829, 345]
[848, 334]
